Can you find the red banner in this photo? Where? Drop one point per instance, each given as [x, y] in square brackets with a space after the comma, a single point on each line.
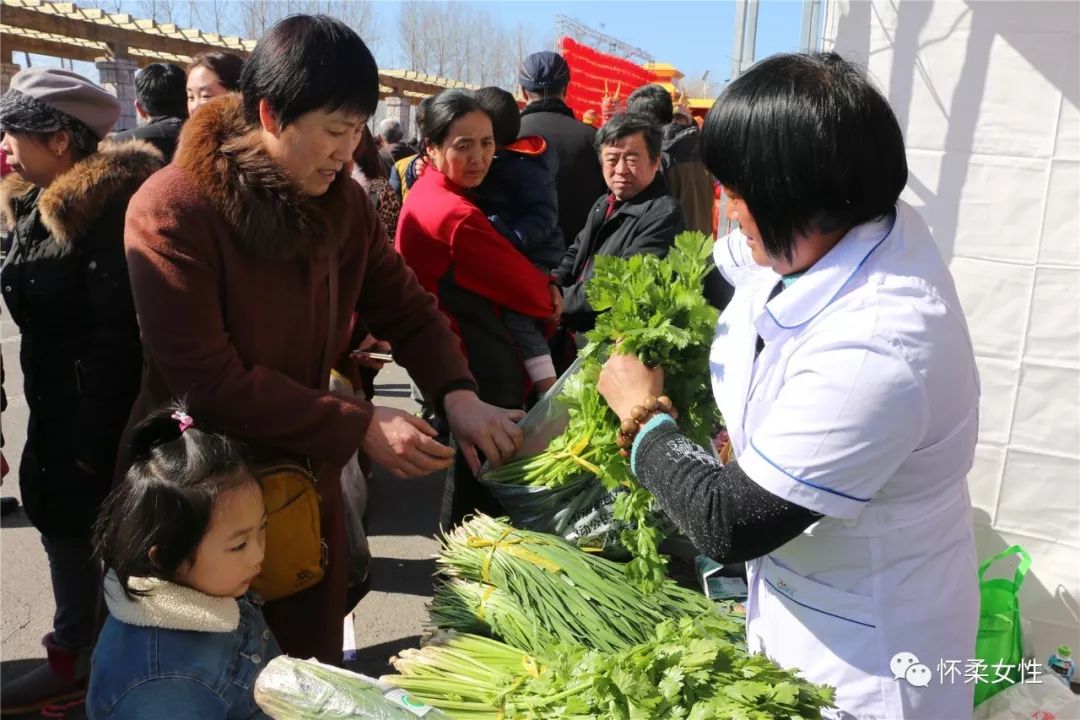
[599, 81]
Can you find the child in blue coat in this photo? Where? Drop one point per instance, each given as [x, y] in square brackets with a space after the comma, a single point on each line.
[182, 538]
[518, 196]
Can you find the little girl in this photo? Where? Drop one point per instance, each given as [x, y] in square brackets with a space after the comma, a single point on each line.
[181, 538]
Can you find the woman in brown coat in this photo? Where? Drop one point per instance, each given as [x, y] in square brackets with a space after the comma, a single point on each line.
[235, 251]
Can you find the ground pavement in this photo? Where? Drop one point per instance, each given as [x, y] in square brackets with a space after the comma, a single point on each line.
[403, 518]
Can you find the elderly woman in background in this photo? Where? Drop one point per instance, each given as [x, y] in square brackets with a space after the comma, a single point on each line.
[249, 254]
[472, 268]
[65, 282]
[210, 75]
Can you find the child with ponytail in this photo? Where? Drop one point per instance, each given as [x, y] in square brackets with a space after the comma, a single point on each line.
[181, 539]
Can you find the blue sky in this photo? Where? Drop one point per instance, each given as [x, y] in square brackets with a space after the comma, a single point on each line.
[692, 35]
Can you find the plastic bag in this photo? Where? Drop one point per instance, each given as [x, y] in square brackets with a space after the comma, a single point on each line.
[1000, 642]
[292, 689]
[581, 511]
[1045, 700]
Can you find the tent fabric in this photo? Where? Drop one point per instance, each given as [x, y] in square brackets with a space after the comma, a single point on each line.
[987, 94]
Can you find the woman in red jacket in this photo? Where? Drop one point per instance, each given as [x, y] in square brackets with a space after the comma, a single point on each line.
[469, 266]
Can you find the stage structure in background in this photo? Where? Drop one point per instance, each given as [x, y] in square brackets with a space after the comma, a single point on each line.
[603, 69]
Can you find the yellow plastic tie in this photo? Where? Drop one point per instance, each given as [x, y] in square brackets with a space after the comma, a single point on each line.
[483, 601]
[512, 547]
[531, 666]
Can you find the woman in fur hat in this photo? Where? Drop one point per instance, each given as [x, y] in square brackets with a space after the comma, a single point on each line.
[65, 282]
[249, 255]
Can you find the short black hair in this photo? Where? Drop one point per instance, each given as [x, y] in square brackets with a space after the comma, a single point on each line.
[654, 101]
[503, 109]
[448, 106]
[160, 90]
[310, 62]
[626, 124]
[808, 142]
[166, 499]
[225, 65]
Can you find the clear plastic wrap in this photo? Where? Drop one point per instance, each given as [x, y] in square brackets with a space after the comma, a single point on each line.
[292, 689]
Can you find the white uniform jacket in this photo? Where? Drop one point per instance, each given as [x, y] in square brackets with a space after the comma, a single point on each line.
[862, 406]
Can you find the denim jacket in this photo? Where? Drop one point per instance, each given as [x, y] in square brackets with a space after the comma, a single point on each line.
[177, 654]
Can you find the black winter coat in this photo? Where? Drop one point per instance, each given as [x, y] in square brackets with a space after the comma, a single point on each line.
[646, 223]
[161, 132]
[66, 284]
[578, 179]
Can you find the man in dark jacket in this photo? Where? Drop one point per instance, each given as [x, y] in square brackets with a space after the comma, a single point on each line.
[544, 77]
[637, 215]
[161, 102]
[687, 177]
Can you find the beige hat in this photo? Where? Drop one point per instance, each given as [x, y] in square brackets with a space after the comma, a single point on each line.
[71, 94]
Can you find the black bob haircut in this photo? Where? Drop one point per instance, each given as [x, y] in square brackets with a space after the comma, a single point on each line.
[503, 109]
[809, 144]
[309, 62]
[626, 124]
[161, 90]
[653, 101]
[166, 499]
[445, 108]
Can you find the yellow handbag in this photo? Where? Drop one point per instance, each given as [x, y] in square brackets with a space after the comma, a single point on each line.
[295, 552]
[296, 555]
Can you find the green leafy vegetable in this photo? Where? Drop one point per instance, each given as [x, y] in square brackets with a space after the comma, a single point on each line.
[654, 308]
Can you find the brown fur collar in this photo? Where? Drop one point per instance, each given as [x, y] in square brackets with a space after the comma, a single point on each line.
[71, 205]
[266, 209]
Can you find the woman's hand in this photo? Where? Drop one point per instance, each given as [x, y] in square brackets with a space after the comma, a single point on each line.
[625, 382]
[369, 345]
[404, 444]
[479, 426]
[556, 300]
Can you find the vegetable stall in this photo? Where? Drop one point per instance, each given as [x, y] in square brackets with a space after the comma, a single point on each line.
[530, 620]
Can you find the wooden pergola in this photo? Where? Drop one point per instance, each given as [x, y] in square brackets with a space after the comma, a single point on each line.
[63, 29]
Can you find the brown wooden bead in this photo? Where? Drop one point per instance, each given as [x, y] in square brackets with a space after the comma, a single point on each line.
[624, 453]
[664, 404]
[651, 403]
[639, 413]
[624, 441]
[629, 426]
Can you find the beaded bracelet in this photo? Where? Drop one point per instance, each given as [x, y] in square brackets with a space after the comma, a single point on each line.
[639, 415]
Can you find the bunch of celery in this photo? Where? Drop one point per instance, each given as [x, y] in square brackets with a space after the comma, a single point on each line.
[686, 670]
[536, 591]
[654, 308]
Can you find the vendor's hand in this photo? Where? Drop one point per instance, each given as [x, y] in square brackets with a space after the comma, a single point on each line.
[369, 345]
[404, 444]
[479, 426]
[556, 300]
[625, 382]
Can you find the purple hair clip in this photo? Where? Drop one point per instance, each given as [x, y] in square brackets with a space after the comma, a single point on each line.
[184, 419]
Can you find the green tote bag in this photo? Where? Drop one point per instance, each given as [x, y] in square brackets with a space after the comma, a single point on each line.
[999, 642]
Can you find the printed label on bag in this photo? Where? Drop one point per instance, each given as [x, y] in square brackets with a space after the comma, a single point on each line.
[403, 699]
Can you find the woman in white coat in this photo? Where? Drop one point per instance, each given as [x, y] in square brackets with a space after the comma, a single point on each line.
[844, 370]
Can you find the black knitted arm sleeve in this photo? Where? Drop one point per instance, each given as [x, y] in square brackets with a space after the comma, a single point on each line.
[724, 513]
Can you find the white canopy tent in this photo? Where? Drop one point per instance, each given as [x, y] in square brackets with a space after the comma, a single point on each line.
[987, 94]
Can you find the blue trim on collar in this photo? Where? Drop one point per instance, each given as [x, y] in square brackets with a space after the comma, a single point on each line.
[811, 607]
[767, 459]
[860, 233]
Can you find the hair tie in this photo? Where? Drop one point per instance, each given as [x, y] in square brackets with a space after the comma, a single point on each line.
[184, 419]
